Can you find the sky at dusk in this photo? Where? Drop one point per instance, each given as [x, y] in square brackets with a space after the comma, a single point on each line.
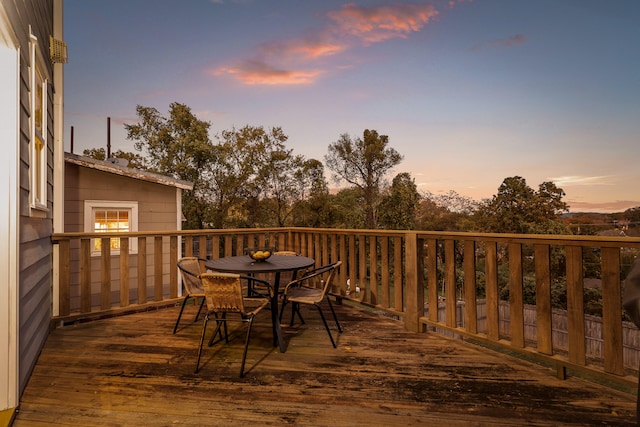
[469, 91]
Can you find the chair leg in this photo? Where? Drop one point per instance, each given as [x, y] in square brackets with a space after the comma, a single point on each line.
[326, 326]
[204, 330]
[184, 302]
[217, 331]
[199, 309]
[295, 309]
[334, 316]
[219, 323]
[246, 346]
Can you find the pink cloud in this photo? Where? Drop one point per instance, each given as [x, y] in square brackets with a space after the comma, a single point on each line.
[308, 48]
[259, 73]
[378, 23]
[285, 62]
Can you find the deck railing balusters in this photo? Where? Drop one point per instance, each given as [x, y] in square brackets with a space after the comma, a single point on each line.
[414, 275]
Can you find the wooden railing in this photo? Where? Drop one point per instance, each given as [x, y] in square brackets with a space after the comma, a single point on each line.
[429, 280]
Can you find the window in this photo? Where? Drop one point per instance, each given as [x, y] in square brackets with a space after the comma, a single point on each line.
[38, 146]
[113, 217]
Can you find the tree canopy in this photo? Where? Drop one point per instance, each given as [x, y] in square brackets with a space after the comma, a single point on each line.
[177, 146]
[248, 177]
[517, 208]
[364, 163]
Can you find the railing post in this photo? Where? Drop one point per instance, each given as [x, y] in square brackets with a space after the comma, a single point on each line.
[65, 278]
[450, 283]
[413, 285]
[124, 272]
[85, 275]
[491, 291]
[575, 305]
[516, 301]
[105, 267]
[157, 268]
[173, 269]
[470, 300]
[544, 325]
[142, 270]
[611, 309]
[384, 273]
[432, 279]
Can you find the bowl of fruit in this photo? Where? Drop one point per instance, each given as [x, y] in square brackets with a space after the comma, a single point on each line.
[259, 254]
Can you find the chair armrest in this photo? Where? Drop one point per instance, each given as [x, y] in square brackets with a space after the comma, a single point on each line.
[311, 274]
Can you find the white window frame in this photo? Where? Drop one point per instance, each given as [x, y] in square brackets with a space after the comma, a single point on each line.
[39, 131]
[90, 208]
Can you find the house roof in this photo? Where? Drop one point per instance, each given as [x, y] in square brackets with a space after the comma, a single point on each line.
[120, 169]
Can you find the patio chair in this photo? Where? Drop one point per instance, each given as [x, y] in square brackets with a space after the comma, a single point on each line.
[224, 295]
[190, 269]
[288, 276]
[312, 289]
[285, 277]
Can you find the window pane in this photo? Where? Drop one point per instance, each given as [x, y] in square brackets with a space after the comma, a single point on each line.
[111, 221]
[39, 101]
[39, 170]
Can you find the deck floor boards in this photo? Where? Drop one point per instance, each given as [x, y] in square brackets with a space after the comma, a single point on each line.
[132, 371]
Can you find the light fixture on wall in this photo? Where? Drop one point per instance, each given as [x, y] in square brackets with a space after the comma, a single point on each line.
[58, 51]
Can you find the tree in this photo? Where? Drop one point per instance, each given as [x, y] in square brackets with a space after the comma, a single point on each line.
[633, 216]
[134, 160]
[315, 208]
[176, 146]
[398, 208]
[446, 212]
[234, 190]
[349, 208]
[455, 202]
[363, 163]
[517, 208]
[254, 180]
[280, 181]
[95, 153]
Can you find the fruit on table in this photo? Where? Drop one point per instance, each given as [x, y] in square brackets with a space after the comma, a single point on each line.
[259, 255]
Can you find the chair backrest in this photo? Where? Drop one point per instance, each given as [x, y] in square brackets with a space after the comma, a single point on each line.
[190, 269]
[323, 275]
[223, 292]
[287, 276]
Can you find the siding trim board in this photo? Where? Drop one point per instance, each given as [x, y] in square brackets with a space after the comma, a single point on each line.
[9, 196]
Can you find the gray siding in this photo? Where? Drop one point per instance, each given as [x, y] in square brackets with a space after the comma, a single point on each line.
[35, 265]
[156, 202]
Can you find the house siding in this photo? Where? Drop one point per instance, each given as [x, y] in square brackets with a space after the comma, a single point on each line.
[35, 251]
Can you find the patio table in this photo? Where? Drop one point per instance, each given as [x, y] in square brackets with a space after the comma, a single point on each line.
[275, 264]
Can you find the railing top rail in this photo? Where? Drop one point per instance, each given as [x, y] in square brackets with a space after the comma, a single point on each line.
[552, 239]
[207, 231]
[557, 239]
[220, 231]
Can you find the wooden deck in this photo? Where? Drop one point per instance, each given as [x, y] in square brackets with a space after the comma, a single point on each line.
[132, 371]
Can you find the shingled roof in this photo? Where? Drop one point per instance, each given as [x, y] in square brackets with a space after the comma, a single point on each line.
[116, 168]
